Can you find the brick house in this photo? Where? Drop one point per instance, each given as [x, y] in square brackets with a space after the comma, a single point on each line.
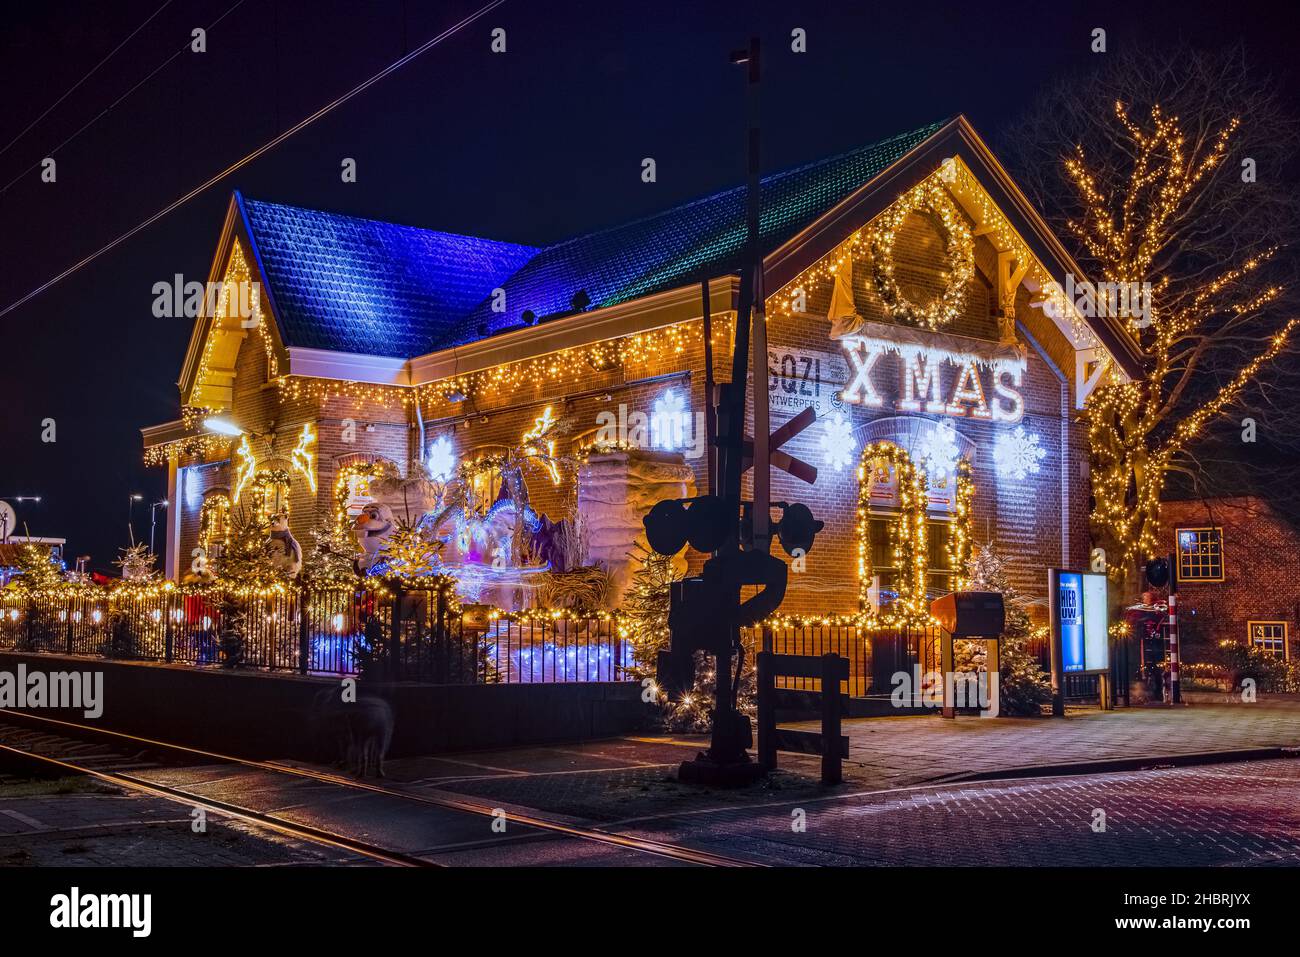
[1239, 571]
[371, 347]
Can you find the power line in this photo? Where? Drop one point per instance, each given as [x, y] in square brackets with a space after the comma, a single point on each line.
[108, 109]
[239, 164]
[74, 86]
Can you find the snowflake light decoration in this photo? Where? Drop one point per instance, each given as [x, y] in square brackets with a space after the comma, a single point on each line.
[668, 421]
[837, 442]
[938, 450]
[1016, 454]
[441, 460]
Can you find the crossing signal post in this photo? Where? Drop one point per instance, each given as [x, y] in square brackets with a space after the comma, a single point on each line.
[706, 612]
[1159, 573]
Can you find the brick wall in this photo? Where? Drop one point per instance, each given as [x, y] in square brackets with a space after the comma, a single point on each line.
[1261, 568]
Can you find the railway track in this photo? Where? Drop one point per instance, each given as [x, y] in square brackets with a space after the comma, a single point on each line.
[135, 763]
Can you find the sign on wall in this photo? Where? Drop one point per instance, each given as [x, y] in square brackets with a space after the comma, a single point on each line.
[798, 380]
[906, 371]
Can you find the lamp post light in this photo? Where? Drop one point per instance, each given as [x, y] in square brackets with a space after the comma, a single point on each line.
[130, 514]
[153, 519]
[222, 426]
[5, 530]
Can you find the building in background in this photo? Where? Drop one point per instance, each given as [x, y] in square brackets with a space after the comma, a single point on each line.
[1238, 571]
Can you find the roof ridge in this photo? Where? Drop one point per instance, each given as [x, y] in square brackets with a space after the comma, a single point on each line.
[385, 222]
[763, 180]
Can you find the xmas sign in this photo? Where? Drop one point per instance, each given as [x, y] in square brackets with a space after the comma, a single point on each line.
[911, 371]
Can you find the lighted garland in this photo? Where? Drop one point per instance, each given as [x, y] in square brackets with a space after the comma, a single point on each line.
[909, 534]
[269, 485]
[214, 522]
[370, 472]
[959, 538]
[570, 366]
[928, 198]
[201, 446]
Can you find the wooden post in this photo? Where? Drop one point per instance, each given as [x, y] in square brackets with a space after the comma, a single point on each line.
[832, 771]
[710, 410]
[766, 711]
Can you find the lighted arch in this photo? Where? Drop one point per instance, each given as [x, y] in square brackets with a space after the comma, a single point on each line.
[911, 532]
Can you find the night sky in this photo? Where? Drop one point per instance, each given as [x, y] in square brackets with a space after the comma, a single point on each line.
[531, 146]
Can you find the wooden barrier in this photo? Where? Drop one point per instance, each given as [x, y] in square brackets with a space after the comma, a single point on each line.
[830, 744]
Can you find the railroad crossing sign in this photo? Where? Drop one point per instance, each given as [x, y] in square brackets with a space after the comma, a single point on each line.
[784, 460]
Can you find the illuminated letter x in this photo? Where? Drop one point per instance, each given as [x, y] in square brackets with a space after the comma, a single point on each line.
[864, 356]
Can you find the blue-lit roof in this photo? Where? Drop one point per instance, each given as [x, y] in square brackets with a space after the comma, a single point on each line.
[358, 285]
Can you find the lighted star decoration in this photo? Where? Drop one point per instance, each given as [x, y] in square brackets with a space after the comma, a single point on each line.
[837, 443]
[1016, 454]
[938, 450]
[441, 460]
[668, 421]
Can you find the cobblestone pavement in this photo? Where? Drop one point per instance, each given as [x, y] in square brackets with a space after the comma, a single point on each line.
[1178, 816]
[102, 826]
[1230, 814]
[610, 780]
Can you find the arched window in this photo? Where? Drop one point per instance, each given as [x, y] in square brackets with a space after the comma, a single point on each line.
[909, 551]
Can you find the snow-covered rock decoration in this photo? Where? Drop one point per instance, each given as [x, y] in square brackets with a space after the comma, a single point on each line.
[1016, 454]
[615, 491]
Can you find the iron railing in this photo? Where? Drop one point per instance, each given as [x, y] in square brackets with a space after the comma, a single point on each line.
[406, 633]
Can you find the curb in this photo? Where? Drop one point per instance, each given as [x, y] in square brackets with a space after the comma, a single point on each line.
[1188, 759]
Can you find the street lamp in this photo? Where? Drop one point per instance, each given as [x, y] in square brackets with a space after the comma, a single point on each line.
[130, 514]
[153, 519]
[4, 513]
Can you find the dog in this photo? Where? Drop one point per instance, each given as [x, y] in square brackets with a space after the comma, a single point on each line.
[360, 731]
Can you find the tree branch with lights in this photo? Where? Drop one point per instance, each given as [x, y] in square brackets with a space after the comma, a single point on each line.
[1163, 197]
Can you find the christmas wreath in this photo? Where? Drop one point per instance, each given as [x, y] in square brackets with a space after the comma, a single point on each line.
[931, 200]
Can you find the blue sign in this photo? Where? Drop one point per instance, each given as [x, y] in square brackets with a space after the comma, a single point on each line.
[1069, 617]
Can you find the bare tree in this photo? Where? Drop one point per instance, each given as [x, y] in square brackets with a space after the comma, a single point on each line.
[1171, 169]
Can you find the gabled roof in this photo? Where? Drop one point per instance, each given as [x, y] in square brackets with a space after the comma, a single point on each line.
[359, 285]
[694, 241]
[341, 284]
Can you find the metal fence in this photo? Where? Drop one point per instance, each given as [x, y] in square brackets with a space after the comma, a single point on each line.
[874, 656]
[393, 634]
